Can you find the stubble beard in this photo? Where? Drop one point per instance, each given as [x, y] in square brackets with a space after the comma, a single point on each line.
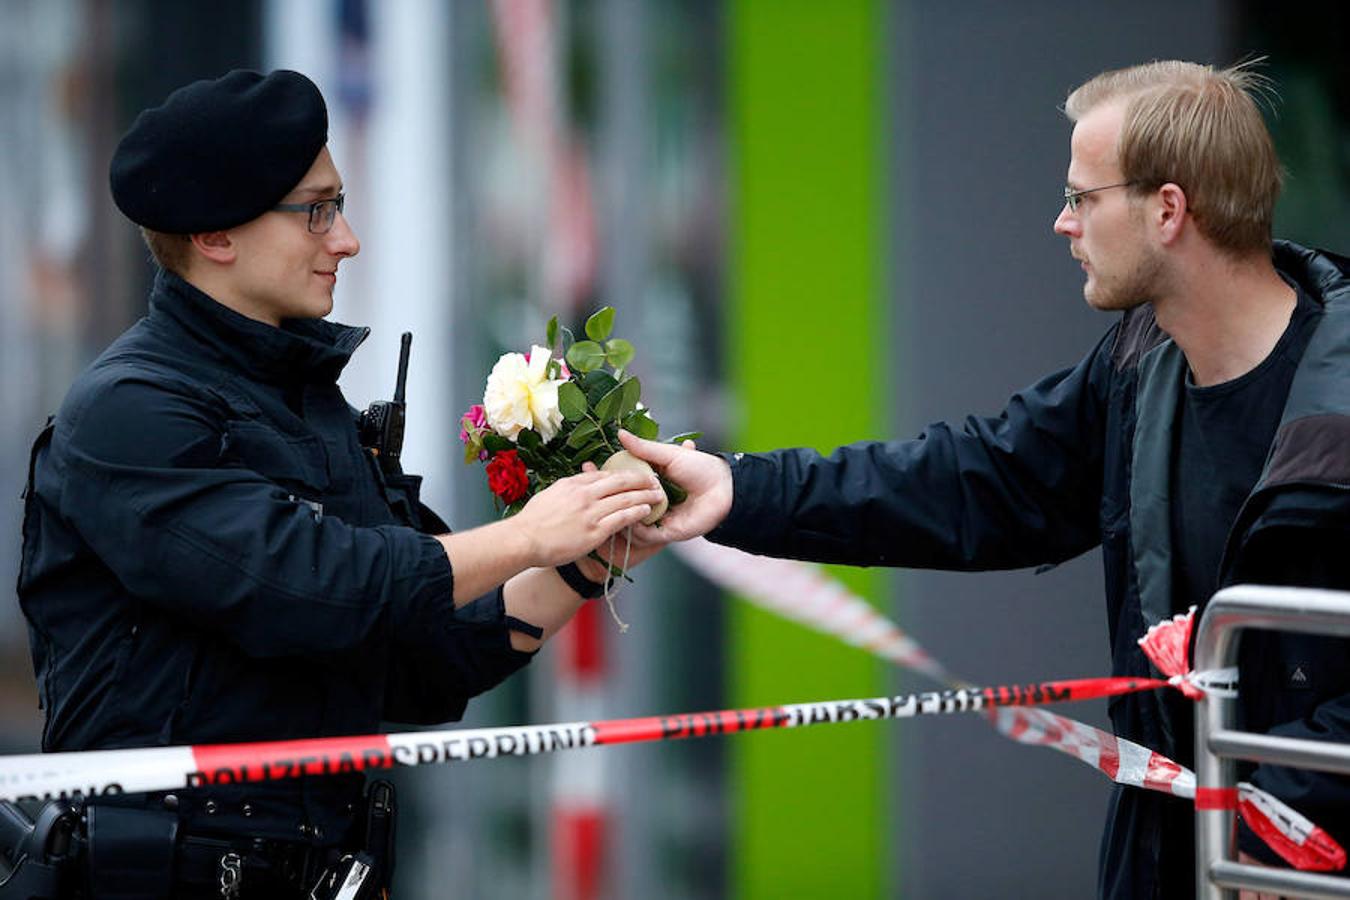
[1133, 283]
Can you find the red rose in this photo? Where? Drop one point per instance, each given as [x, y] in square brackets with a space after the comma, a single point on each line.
[507, 477]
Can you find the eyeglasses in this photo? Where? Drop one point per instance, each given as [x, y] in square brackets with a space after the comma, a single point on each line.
[322, 213]
[1073, 198]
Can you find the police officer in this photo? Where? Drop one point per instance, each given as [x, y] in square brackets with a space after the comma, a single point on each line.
[210, 555]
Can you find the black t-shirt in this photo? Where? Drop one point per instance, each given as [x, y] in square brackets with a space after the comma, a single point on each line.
[1222, 436]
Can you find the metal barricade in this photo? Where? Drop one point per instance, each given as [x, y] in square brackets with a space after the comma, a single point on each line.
[1218, 744]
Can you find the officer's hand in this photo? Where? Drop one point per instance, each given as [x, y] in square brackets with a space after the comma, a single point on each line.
[617, 549]
[705, 477]
[576, 514]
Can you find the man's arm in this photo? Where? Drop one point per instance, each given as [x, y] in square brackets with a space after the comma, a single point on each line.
[1017, 489]
[1315, 707]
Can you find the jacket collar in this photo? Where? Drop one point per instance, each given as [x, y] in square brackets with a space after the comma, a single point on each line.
[1309, 463]
[1310, 442]
[1319, 386]
[301, 350]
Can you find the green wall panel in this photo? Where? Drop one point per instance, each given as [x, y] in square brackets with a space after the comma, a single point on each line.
[807, 330]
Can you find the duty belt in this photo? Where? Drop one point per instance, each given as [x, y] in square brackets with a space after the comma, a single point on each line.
[118, 853]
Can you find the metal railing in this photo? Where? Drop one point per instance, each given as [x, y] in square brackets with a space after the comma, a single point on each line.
[1218, 744]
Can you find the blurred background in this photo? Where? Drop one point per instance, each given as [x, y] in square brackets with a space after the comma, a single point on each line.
[819, 222]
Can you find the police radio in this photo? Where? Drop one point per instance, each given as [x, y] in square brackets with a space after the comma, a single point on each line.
[40, 856]
[381, 425]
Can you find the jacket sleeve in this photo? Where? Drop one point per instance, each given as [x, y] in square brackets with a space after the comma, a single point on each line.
[1322, 797]
[432, 676]
[1019, 489]
[139, 476]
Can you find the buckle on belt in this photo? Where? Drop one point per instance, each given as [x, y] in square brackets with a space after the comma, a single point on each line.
[346, 880]
[231, 875]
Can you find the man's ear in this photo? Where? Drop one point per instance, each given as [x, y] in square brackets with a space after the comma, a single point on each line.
[1170, 213]
[216, 246]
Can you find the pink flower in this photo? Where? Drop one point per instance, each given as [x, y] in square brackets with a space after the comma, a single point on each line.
[475, 419]
[472, 427]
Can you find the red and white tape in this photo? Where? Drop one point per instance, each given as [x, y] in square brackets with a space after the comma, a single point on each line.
[803, 593]
[1293, 836]
[1297, 840]
[102, 772]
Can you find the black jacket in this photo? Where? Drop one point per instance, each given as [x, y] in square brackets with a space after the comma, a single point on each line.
[1082, 459]
[209, 555]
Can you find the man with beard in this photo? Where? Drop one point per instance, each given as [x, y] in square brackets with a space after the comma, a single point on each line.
[1204, 441]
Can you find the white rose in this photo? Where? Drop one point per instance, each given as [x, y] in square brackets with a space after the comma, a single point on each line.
[520, 395]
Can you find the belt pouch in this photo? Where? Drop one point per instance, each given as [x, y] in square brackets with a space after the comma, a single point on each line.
[381, 831]
[131, 853]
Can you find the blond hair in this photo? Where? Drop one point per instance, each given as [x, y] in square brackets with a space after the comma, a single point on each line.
[170, 251]
[1201, 129]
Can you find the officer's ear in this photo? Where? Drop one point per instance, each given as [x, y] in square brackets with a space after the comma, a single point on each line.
[216, 246]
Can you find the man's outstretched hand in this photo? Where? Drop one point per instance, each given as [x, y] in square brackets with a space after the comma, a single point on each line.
[706, 478]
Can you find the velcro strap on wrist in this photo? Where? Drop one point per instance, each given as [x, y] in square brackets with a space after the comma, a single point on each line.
[571, 573]
[525, 628]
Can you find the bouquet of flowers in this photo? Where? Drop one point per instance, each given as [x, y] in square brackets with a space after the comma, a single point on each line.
[544, 415]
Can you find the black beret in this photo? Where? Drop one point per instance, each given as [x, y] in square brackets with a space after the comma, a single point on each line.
[219, 153]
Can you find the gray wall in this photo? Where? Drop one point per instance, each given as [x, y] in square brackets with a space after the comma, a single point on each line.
[987, 300]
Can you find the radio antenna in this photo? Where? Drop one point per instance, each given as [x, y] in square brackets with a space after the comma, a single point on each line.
[402, 367]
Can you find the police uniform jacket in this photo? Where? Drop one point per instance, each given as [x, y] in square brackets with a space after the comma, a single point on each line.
[209, 555]
[1081, 459]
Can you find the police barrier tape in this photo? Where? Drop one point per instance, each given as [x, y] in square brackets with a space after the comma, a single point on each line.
[1298, 841]
[95, 773]
[100, 772]
[803, 593]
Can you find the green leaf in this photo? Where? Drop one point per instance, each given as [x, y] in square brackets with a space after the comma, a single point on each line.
[600, 324]
[632, 393]
[597, 385]
[568, 339]
[515, 507]
[572, 401]
[582, 433]
[619, 401]
[685, 436]
[619, 353]
[585, 356]
[674, 493]
[528, 458]
[641, 424]
[495, 443]
[551, 333]
[597, 451]
[608, 409]
[529, 440]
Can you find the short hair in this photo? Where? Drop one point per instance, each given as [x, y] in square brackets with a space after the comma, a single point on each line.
[1199, 128]
[170, 251]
